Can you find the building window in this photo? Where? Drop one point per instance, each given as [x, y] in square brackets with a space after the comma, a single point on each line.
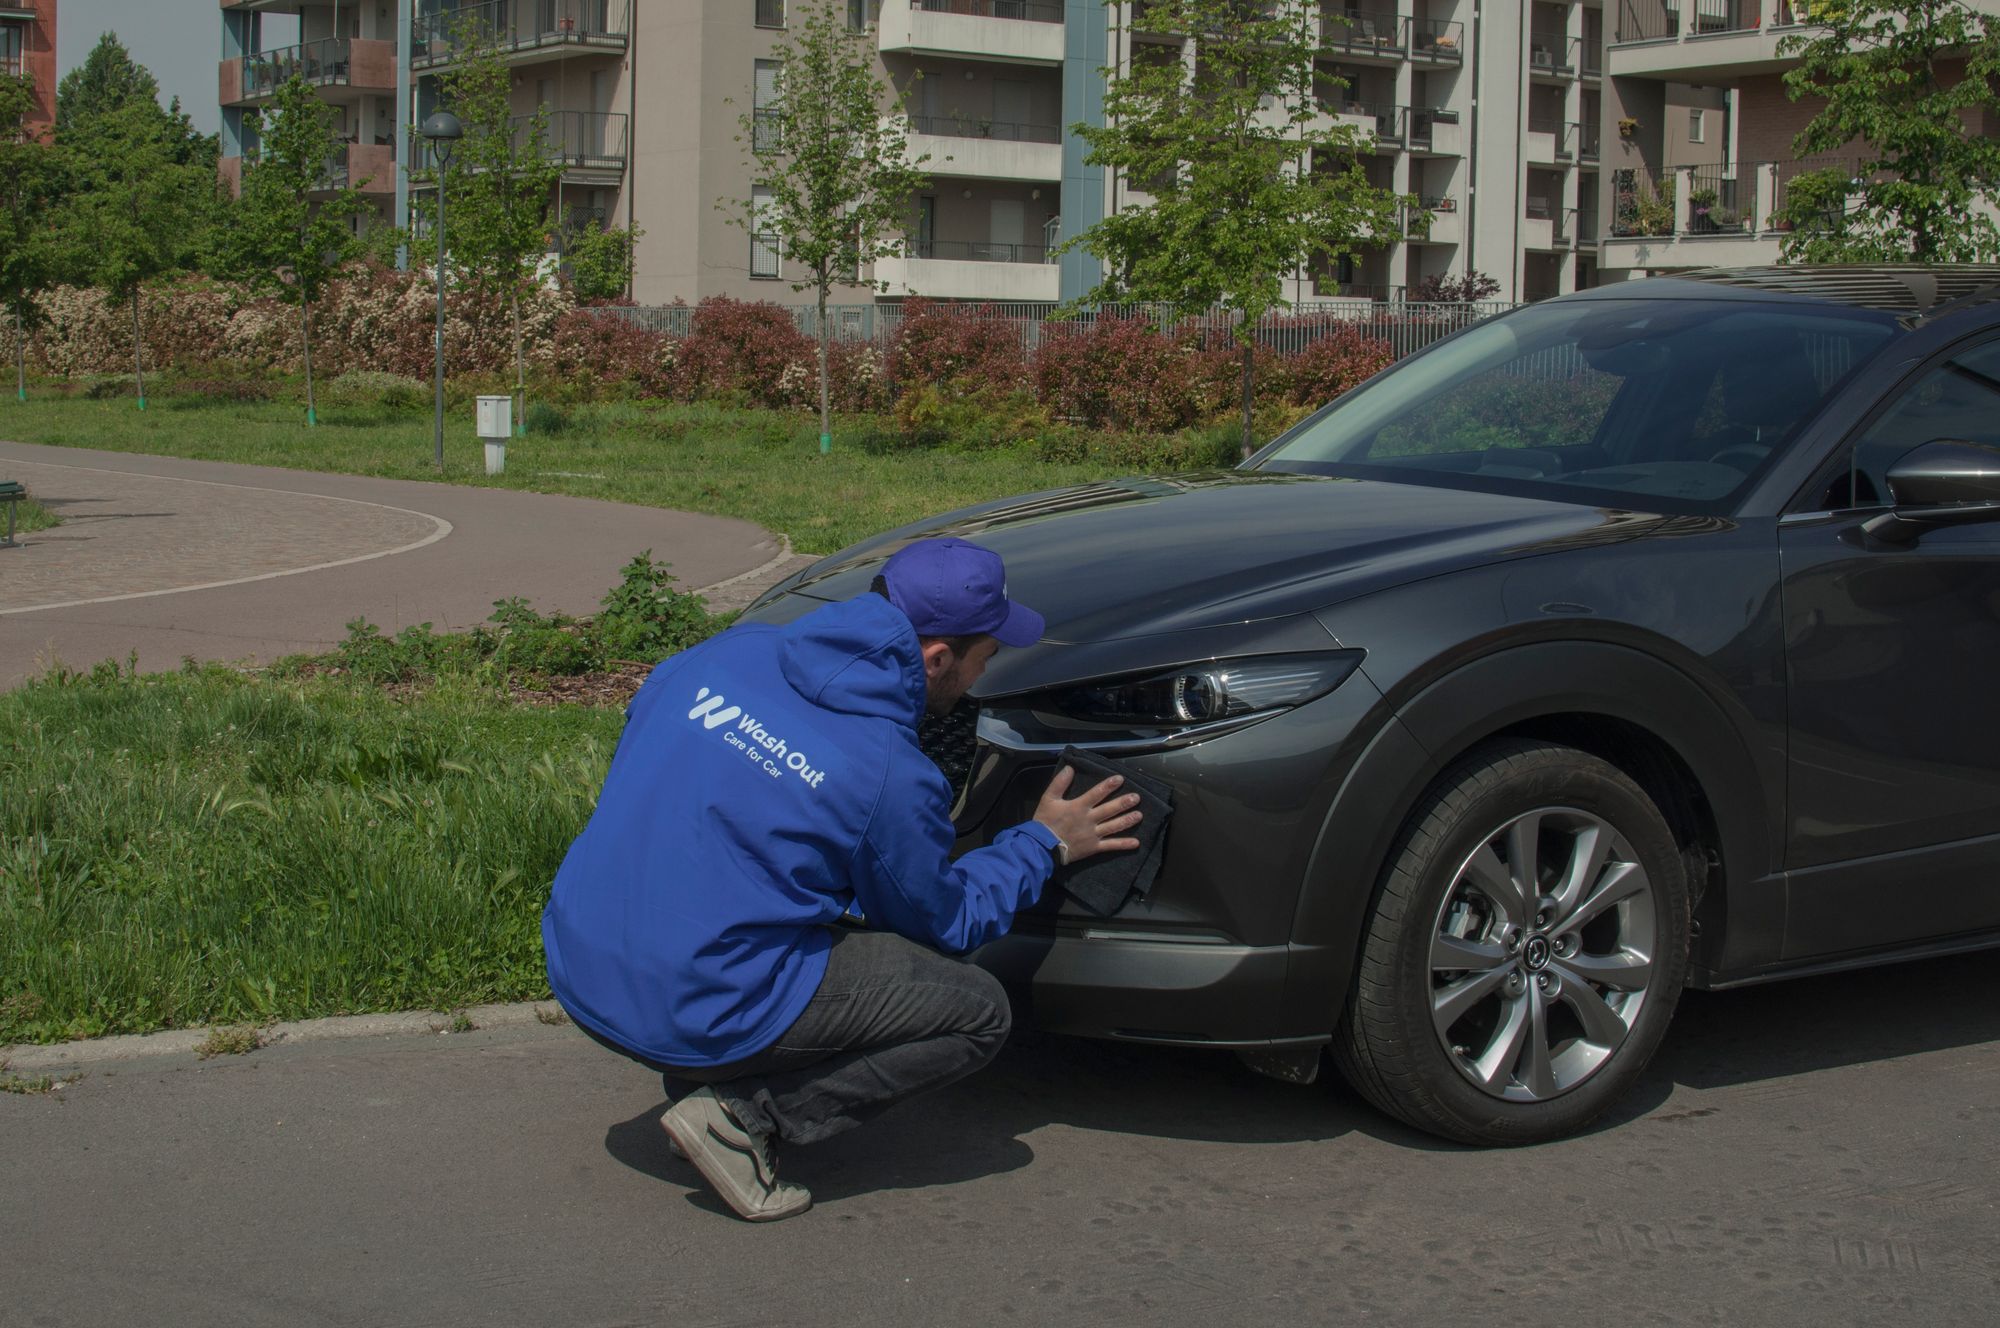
[1694, 126]
[862, 13]
[766, 129]
[770, 13]
[766, 249]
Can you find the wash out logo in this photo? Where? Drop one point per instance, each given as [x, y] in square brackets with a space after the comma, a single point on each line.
[757, 743]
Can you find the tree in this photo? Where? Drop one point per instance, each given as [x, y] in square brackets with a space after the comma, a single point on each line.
[500, 188]
[133, 206]
[282, 240]
[833, 156]
[1440, 288]
[30, 255]
[1906, 81]
[1251, 182]
[600, 260]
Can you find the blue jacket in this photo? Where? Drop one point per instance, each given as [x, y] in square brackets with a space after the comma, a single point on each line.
[766, 780]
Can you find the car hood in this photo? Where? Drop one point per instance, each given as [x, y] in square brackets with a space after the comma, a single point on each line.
[1140, 557]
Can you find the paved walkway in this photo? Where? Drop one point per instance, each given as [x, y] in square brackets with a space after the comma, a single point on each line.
[174, 558]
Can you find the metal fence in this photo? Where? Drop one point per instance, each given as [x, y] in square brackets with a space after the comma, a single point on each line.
[1407, 326]
[1033, 11]
[324, 61]
[519, 24]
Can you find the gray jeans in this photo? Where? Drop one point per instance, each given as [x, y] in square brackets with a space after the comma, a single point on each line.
[891, 1019]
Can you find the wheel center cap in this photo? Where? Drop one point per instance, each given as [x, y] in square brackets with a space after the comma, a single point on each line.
[1536, 954]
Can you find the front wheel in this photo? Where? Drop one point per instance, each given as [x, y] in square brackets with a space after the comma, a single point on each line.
[1525, 952]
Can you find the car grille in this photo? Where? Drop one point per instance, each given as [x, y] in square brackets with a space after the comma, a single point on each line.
[949, 740]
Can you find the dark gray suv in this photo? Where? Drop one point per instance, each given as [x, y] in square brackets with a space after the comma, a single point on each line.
[1638, 639]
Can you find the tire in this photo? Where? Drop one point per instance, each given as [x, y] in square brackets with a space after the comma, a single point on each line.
[1490, 1017]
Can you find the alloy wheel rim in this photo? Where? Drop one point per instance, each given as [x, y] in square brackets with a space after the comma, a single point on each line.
[1541, 956]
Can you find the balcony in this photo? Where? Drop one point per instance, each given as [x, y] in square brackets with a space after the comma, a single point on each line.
[962, 146]
[524, 31]
[1703, 216]
[1437, 40]
[1443, 226]
[354, 63]
[1433, 132]
[1711, 41]
[1538, 222]
[1553, 54]
[1010, 31]
[1381, 124]
[587, 143]
[369, 168]
[1368, 34]
[972, 270]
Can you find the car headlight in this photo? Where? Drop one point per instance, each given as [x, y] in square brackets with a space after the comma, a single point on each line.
[1184, 703]
[1202, 693]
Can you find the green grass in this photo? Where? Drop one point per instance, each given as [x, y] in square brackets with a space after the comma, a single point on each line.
[763, 466]
[204, 848]
[30, 516]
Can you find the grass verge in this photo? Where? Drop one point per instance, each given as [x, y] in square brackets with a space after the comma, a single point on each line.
[763, 466]
[30, 516]
[205, 848]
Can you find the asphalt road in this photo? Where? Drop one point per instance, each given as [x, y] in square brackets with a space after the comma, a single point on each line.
[1824, 1152]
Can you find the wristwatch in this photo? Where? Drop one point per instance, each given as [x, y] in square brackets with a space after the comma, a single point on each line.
[1061, 850]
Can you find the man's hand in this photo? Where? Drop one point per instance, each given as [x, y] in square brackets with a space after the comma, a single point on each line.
[1089, 822]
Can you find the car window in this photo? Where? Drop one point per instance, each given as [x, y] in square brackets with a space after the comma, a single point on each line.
[1959, 399]
[1676, 402]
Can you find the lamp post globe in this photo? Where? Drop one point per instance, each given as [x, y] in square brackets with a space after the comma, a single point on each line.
[443, 130]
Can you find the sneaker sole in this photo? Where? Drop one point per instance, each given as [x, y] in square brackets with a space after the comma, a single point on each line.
[696, 1151]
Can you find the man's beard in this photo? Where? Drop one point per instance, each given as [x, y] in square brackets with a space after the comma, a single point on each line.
[944, 694]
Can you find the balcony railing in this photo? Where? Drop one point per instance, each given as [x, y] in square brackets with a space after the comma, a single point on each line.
[1358, 30]
[577, 220]
[766, 254]
[1437, 39]
[770, 14]
[1423, 121]
[10, 65]
[1715, 205]
[767, 130]
[1388, 119]
[1539, 208]
[1586, 224]
[979, 251]
[437, 38]
[1030, 11]
[1590, 135]
[1552, 52]
[579, 138]
[1647, 20]
[324, 61]
[972, 126]
[1638, 207]
[1726, 15]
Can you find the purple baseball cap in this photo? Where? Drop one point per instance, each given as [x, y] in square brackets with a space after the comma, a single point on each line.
[948, 587]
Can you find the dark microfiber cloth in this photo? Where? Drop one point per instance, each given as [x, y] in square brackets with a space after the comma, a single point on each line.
[1103, 883]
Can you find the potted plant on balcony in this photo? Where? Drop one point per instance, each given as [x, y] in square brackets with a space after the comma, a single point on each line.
[1701, 209]
[1627, 126]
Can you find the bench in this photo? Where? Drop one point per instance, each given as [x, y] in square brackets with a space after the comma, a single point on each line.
[11, 493]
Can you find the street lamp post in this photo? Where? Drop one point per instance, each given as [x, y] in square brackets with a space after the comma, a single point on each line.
[443, 130]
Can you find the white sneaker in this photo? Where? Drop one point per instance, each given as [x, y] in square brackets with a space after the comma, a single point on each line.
[738, 1165]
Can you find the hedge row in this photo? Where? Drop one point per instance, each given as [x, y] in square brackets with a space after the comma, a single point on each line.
[1112, 373]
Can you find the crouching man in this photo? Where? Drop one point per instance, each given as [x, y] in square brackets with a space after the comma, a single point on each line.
[769, 781]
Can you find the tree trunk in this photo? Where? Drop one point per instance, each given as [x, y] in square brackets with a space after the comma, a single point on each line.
[1249, 367]
[825, 414]
[306, 335]
[520, 369]
[138, 350]
[20, 356]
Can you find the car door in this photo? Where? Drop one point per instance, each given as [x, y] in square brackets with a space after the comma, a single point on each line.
[1893, 832]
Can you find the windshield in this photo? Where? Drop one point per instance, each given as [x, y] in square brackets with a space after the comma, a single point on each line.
[1671, 405]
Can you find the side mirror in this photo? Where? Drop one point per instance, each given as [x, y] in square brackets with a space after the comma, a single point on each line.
[1946, 482]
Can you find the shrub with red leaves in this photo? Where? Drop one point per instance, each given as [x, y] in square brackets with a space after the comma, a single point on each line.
[590, 349]
[1117, 373]
[1336, 362]
[945, 344]
[740, 346]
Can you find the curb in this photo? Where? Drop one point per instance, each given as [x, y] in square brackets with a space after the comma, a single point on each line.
[188, 1041]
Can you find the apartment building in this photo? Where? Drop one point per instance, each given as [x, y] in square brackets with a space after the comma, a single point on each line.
[377, 62]
[28, 48]
[1699, 134]
[1554, 143]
